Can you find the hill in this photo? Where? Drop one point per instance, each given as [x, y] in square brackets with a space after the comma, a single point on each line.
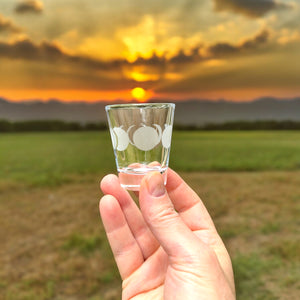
[189, 112]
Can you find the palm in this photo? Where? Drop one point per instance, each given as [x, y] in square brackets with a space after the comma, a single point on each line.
[154, 271]
[147, 271]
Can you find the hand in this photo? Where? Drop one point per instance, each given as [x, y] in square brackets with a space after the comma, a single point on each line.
[170, 248]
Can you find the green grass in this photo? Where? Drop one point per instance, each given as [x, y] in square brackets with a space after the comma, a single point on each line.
[249, 271]
[53, 158]
[50, 159]
[82, 244]
[236, 151]
[52, 229]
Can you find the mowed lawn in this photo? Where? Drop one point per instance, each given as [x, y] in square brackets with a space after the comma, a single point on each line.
[53, 245]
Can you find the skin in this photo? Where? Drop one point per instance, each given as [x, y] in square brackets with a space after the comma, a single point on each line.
[169, 248]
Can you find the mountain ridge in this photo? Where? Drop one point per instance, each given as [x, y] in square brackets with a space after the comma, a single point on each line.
[188, 112]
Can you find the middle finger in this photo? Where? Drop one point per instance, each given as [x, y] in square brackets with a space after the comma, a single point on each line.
[147, 242]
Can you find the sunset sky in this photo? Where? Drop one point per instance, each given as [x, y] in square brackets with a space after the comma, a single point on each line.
[173, 49]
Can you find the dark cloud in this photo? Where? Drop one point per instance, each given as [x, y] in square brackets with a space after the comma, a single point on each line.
[214, 51]
[27, 50]
[52, 53]
[154, 60]
[259, 39]
[8, 26]
[226, 49]
[250, 8]
[29, 6]
[183, 58]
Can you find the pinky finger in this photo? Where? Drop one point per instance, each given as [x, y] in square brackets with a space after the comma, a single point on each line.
[126, 250]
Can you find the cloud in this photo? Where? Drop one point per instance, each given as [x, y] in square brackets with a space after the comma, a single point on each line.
[7, 25]
[250, 8]
[27, 50]
[149, 69]
[29, 6]
[52, 53]
[203, 53]
[286, 36]
[226, 49]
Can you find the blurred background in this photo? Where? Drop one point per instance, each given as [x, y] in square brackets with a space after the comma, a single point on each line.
[231, 67]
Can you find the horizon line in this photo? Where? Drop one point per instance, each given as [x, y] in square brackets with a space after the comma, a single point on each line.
[150, 100]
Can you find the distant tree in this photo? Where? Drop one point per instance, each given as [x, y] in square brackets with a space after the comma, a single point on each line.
[57, 125]
[95, 126]
[244, 125]
[5, 126]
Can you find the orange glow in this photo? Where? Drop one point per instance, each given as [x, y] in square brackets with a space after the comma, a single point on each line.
[140, 74]
[126, 95]
[140, 77]
[139, 94]
[237, 95]
[66, 95]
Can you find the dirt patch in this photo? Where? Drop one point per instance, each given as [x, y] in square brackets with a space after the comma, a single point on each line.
[36, 226]
[53, 245]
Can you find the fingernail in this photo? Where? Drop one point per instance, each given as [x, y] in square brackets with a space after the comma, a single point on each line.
[155, 184]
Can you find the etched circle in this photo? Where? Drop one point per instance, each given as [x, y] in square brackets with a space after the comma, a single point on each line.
[145, 138]
[122, 138]
[167, 136]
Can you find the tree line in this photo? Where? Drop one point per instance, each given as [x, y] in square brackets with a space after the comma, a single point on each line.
[57, 125]
[48, 125]
[244, 125]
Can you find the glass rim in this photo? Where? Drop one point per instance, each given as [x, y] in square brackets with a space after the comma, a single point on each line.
[139, 105]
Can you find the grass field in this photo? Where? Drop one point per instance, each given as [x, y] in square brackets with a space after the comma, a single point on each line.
[53, 245]
[55, 158]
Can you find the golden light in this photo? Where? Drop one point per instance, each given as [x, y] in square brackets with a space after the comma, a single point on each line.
[141, 77]
[139, 94]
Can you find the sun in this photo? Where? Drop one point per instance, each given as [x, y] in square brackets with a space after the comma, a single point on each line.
[139, 94]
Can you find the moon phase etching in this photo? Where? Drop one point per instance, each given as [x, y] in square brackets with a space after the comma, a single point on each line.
[144, 138]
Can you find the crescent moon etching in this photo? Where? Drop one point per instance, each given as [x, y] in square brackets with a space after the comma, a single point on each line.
[122, 138]
[167, 136]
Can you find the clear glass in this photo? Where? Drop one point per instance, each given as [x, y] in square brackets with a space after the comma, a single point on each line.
[141, 137]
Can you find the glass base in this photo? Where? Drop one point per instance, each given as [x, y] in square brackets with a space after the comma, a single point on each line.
[131, 178]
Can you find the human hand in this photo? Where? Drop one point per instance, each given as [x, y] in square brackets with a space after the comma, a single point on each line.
[169, 248]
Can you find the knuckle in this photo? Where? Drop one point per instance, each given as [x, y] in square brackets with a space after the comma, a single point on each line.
[164, 215]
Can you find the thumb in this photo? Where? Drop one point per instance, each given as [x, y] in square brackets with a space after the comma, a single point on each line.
[164, 222]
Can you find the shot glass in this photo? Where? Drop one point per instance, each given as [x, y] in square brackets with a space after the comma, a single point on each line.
[141, 137]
